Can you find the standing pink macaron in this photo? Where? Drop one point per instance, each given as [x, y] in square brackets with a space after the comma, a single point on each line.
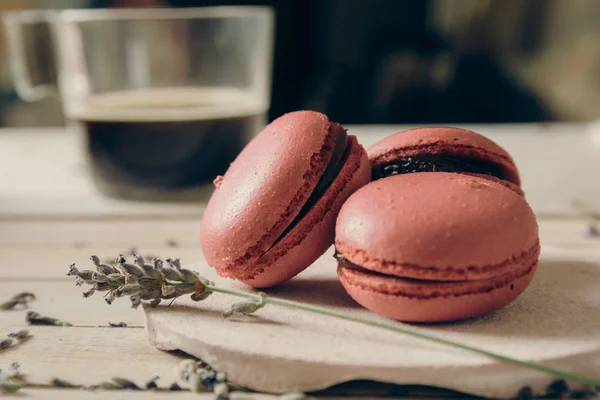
[442, 149]
[435, 246]
[273, 212]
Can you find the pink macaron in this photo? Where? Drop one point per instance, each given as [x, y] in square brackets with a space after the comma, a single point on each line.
[273, 212]
[436, 246]
[442, 149]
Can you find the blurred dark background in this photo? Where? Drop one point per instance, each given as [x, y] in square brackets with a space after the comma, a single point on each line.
[406, 61]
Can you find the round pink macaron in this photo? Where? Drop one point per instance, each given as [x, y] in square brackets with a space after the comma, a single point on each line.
[436, 246]
[273, 212]
[441, 149]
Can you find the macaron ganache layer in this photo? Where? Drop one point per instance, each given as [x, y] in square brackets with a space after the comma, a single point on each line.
[441, 149]
[436, 246]
[277, 196]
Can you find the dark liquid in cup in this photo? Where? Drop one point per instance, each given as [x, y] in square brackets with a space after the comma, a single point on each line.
[165, 140]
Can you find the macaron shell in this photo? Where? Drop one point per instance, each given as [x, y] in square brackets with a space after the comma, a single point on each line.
[314, 234]
[436, 226]
[442, 140]
[515, 188]
[265, 188]
[440, 308]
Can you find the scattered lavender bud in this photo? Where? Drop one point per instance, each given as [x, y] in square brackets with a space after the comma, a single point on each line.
[22, 299]
[172, 243]
[582, 393]
[108, 386]
[151, 383]
[6, 343]
[34, 318]
[592, 231]
[118, 325]
[525, 393]
[60, 383]
[174, 387]
[21, 335]
[125, 384]
[557, 388]
[243, 308]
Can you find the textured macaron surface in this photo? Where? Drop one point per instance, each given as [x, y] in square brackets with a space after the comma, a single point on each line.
[442, 149]
[436, 226]
[265, 187]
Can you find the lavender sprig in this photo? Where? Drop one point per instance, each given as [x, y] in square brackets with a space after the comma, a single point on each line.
[144, 287]
[141, 281]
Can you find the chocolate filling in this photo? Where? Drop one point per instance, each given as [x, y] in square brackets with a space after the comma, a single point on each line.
[336, 162]
[344, 263]
[439, 163]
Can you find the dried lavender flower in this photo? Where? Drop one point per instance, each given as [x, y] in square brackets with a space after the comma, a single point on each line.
[592, 231]
[244, 308]
[557, 388]
[34, 318]
[108, 386]
[125, 383]
[22, 299]
[103, 268]
[174, 263]
[171, 274]
[525, 393]
[151, 383]
[117, 325]
[127, 290]
[174, 387]
[21, 335]
[6, 343]
[130, 269]
[60, 383]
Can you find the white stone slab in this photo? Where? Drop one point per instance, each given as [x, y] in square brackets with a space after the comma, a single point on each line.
[556, 322]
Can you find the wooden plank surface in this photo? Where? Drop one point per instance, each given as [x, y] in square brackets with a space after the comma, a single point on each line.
[60, 219]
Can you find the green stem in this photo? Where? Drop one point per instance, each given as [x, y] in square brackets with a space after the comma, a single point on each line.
[407, 331]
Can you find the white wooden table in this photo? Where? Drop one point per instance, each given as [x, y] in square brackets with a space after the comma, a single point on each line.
[51, 216]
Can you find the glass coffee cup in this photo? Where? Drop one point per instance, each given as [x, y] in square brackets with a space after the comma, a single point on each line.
[164, 98]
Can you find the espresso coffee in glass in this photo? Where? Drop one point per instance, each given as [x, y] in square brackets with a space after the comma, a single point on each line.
[164, 99]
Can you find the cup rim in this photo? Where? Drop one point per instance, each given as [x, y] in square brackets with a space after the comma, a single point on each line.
[84, 15]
